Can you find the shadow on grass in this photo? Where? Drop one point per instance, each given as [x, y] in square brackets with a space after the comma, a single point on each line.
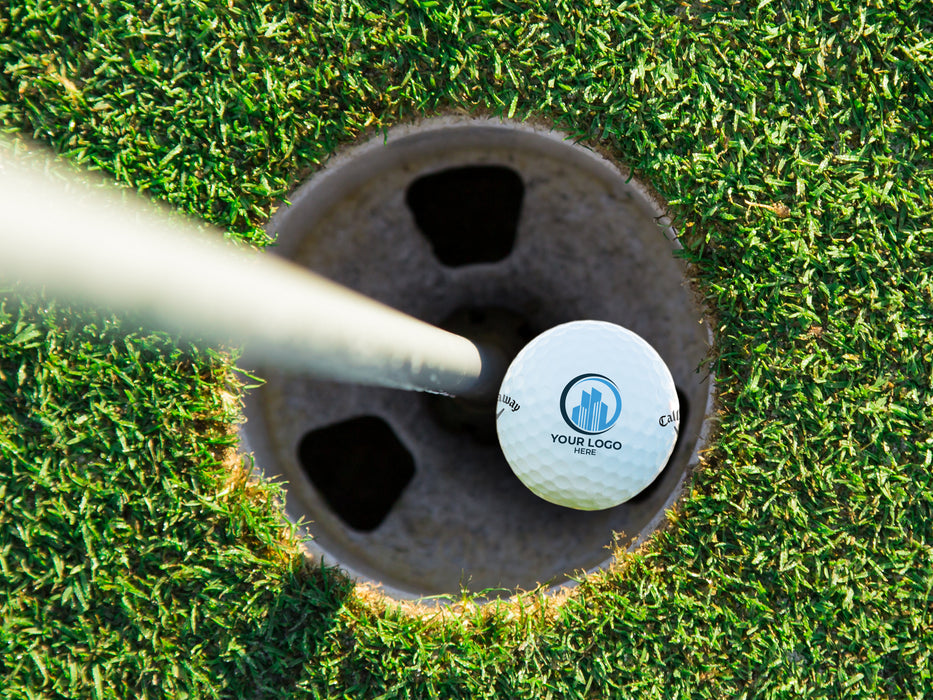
[266, 657]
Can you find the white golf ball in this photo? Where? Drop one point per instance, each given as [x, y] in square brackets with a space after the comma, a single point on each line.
[587, 415]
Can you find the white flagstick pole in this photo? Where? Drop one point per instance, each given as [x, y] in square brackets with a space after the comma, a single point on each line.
[117, 251]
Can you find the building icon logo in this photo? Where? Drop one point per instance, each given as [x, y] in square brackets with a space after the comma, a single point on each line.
[591, 404]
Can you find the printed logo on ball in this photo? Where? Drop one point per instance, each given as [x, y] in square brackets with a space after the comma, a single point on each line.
[591, 404]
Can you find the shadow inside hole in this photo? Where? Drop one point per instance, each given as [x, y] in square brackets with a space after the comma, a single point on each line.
[653, 487]
[469, 214]
[359, 466]
[492, 326]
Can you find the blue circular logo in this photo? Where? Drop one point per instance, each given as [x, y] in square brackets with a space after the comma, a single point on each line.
[591, 404]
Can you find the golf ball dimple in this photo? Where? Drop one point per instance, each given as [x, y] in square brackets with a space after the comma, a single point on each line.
[587, 415]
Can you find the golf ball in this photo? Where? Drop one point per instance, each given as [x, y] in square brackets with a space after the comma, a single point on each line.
[587, 415]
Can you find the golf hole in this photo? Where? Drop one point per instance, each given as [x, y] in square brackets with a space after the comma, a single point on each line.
[497, 231]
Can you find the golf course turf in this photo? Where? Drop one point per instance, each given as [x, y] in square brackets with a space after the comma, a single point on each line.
[793, 144]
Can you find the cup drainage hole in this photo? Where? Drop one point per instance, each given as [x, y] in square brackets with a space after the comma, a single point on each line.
[468, 214]
[360, 468]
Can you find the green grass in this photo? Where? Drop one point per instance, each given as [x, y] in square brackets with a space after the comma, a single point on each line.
[137, 561]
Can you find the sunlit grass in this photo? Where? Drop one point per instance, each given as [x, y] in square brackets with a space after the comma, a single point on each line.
[793, 143]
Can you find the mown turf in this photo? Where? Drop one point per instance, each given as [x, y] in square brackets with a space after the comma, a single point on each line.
[793, 143]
